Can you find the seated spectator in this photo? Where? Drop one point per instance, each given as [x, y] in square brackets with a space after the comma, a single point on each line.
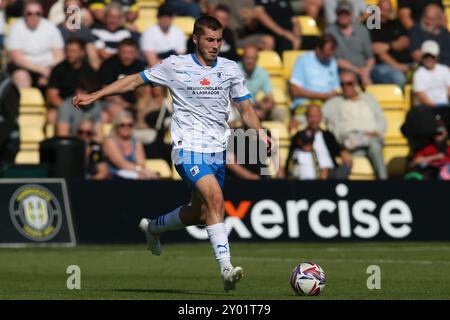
[390, 44]
[237, 9]
[163, 39]
[124, 63]
[98, 8]
[125, 154]
[357, 122]
[359, 10]
[228, 48]
[66, 76]
[431, 82]
[34, 46]
[9, 124]
[276, 19]
[69, 118]
[314, 78]
[109, 36]
[410, 12]
[187, 7]
[434, 157]
[58, 13]
[430, 28]
[258, 82]
[302, 162]
[354, 48]
[95, 164]
[69, 30]
[325, 146]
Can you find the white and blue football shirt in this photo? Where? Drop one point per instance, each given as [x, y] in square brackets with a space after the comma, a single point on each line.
[201, 99]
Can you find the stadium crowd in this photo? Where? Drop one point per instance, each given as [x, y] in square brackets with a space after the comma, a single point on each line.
[350, 94]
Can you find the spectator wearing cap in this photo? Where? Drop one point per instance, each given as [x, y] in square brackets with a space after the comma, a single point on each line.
[431, 81]
[354, 49]
[359, 10]
[430, 28]
[390, 44]
[163, 39]
[34, 47]
[358, 123]
[315, 77]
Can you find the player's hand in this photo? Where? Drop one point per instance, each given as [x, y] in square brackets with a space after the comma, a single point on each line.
[81, 100]
[269, 143]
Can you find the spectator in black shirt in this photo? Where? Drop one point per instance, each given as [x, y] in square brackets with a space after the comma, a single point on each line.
[390, 44]
[410, 11]
[430, 28]
[66, 76]
[124, 63]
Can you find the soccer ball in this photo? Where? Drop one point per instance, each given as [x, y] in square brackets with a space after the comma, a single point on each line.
[308, 279]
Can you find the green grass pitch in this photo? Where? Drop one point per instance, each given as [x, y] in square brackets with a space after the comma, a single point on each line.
[189, 271]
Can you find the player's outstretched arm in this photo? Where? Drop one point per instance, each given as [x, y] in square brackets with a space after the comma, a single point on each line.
[251, 120]
[125, 84]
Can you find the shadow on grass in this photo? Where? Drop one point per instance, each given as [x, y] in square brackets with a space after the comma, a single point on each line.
[173, 291]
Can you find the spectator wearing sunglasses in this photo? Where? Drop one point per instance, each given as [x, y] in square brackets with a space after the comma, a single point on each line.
[125, 153]
[358, 123]
[34, 46]
[95, 164]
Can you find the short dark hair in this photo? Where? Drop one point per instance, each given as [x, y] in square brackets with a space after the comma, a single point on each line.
[223, 7]
[206, 22]
[324, 40]
[78, 41]
[128, 42]
[165, 10]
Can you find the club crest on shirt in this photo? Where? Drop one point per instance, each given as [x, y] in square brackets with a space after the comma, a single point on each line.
[194, 171]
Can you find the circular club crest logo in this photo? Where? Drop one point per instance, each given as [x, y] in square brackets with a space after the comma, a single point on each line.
[35, 212]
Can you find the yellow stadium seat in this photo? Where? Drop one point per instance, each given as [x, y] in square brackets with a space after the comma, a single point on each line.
[308, 26]
[279, 96]
[49, 130]
[148, 13]
[27, 157]
[408, 97]
[362, 169]
[160, 166]
[186, 24]
[389, 96]
[395, 158]
[31, 97]
[289, 59]
[270, 61]
[395, 119]
[447, 13]
[106, 128]
[143, 24]
[31, 120]
[278, 131]
[278, 82]
[32, 134]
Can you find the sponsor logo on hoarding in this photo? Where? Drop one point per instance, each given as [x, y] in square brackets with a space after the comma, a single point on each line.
[270, 220]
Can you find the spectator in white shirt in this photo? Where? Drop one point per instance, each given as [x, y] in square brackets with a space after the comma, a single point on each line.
[34, 46]
[431, 81]
[163, 39]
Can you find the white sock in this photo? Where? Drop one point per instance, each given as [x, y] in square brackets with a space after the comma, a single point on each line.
[167, 222]
[219, 241]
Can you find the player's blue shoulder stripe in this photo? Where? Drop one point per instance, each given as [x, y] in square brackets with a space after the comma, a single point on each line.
[246, 97]
[144, 77]
[199, 63]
